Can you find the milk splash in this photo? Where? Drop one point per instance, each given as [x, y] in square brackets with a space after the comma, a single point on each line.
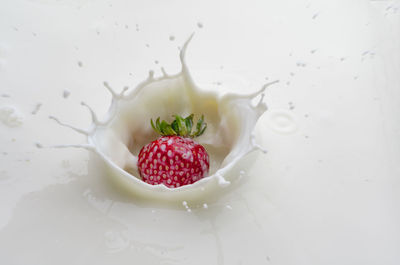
[117, 139]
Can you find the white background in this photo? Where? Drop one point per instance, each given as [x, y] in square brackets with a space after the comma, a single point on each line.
[326, 193]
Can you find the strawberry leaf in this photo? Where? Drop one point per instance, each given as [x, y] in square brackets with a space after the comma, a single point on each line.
[180, 122]
[175, 127]
[158, 124]
[169, 130]
[204, 126]
[200, 127]
[156, 128]
[180, 126]
[189, 123]
[166, 129]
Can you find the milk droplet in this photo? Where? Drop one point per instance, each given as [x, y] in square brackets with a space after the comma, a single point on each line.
[66, 93]
[11, 116]
[364, 53]
[36, 109]
[301, 64]
[199, 25]
[221, 180]
[171, 38]
[205, 206]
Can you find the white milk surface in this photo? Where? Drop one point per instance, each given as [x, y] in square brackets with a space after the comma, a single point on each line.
[327, 191]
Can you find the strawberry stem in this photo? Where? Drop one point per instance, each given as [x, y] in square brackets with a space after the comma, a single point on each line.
[180, 126]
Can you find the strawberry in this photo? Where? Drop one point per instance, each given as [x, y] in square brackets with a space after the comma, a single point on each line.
[174, 159]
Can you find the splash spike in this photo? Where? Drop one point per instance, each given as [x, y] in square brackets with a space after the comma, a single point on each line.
[110, 89]
[92, 113]
[88, 147]
[81, 131]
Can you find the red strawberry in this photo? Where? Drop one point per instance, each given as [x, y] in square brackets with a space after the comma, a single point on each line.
[174, 159]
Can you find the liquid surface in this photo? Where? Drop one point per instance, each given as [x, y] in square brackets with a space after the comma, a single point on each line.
[325, 193]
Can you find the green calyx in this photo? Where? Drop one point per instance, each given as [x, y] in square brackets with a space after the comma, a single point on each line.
[180, 126]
